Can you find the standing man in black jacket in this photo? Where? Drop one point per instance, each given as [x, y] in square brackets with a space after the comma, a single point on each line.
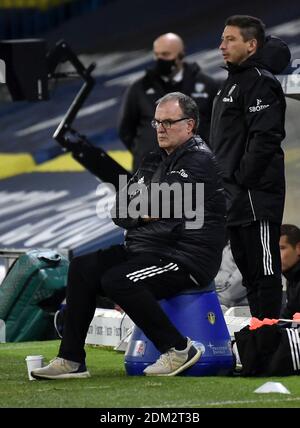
[247, 129]
[170, 74]
[163, 253]
[290, 263]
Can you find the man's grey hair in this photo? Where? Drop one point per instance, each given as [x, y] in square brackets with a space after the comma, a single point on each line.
[187, 104]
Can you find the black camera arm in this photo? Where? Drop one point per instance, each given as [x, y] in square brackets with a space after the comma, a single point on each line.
[94, 159]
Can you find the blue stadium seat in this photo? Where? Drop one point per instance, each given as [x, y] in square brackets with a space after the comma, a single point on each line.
[198, 315]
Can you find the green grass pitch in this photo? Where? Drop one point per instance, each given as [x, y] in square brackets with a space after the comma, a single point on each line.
[110, 387]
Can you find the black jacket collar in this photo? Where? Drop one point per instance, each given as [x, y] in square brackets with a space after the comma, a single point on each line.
[293, 273]
[179, 150]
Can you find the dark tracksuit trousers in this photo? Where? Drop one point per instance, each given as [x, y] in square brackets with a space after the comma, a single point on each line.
[135, 282]
[255, 248]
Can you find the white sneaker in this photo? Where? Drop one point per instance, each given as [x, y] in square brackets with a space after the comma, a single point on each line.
[174, 362]
[59, 368]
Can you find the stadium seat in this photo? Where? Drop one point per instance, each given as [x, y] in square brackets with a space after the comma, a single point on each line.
[198, 315]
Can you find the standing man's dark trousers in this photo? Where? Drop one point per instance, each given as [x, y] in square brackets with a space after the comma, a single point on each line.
[255, 249]
[134, 282]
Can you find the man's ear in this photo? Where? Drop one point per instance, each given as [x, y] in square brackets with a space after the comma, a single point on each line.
[298, 249]
[191, 124]
[252, 46]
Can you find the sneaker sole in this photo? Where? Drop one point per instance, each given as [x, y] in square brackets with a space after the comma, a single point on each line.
[62, 376]
[185, 366]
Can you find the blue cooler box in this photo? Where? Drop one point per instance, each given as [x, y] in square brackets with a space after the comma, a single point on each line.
[198, 315]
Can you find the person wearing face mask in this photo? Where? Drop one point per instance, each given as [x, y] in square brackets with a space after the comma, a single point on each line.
[170, 73]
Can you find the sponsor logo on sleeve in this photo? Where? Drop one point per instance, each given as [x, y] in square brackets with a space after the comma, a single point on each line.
[259, 106]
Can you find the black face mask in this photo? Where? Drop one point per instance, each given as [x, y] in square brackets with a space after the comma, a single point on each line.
[165, 67]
